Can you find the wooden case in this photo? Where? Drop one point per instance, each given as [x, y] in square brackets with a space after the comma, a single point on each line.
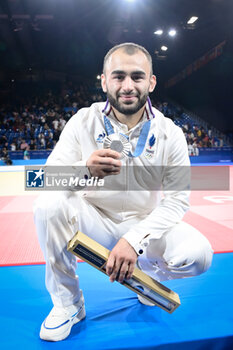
[96, 255]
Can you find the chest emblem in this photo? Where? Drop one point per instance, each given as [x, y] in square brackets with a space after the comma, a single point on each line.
[100, 138]
[149, 152]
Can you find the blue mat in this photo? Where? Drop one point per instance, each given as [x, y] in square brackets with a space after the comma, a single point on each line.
[115, 319]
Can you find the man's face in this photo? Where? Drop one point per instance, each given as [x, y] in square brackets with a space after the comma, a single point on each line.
[127, 81]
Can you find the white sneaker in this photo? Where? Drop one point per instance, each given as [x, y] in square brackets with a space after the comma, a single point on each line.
[58, 323]
[145, 301]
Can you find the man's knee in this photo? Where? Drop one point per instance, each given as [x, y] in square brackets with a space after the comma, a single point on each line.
[191, 261]
[187, 251]
[47, 206]
[204, 258]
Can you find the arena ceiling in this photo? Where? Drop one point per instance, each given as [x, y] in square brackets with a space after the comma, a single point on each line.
[72, 36]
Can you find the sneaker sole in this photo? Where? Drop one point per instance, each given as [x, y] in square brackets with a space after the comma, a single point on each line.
[144, 301]
[64, 335]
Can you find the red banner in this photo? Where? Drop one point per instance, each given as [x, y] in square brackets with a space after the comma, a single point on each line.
[199, 63]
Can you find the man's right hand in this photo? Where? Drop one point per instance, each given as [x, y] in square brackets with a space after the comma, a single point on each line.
[104, 162]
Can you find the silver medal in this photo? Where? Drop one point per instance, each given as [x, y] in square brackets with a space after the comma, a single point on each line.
[118, 143]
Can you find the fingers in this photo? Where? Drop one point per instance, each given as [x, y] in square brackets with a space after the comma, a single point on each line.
[108, 153]
[104, 162]
[110, 264]
[121, 261]
[101, 172]
[123, 272]
[130, 271]
[113, 267]
[118, 270]
[108, 165]
[108, 161]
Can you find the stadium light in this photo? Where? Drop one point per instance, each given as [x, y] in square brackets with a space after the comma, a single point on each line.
[164, 48]
[192, 20]
[158, 32]
[172, 32]
[98, 77]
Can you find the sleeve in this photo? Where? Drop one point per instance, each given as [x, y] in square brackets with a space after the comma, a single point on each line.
[68, 151]
[175, 202]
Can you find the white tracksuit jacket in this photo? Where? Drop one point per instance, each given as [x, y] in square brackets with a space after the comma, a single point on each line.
[83, 134]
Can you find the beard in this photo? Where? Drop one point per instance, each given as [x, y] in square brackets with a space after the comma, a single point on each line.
[127, 108]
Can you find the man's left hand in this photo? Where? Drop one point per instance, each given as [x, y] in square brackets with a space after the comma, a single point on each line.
[121, 261]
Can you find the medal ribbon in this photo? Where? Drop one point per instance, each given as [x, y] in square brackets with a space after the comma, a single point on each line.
[141, 140]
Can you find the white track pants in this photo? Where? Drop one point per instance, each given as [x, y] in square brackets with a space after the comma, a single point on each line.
[181, 252]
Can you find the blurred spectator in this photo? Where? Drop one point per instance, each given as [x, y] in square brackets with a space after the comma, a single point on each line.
[190, 149]
[195, 149]
[33, 144]
[4, 156]
[55, 124]
[23, 145]
[26, 155]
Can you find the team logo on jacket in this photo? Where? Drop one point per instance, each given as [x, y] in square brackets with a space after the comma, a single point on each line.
[100, 138]
[149, 152]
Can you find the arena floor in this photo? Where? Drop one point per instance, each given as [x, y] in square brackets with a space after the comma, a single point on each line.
[115, 319]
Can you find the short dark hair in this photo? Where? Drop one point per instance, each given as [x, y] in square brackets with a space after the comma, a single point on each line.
[130, 49]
